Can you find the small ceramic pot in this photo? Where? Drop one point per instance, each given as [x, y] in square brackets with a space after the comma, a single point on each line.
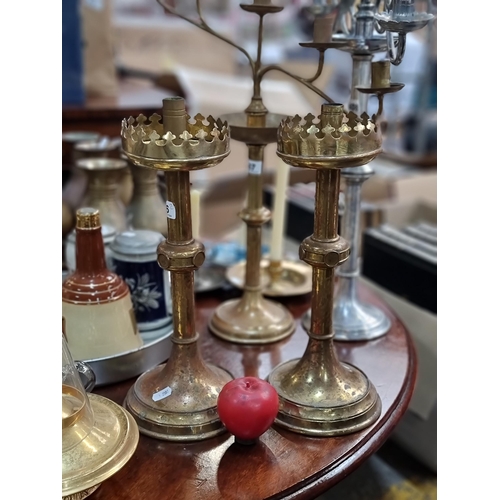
[108, 235]
[133, 255]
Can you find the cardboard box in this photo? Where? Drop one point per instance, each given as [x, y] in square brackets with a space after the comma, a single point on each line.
[417, 431]
[398, 182]
[399, 261]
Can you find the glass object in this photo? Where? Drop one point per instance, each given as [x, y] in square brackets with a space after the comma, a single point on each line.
[98, 436]
[77, 414]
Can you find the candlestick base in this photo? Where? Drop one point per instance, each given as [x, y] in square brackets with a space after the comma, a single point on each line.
[252, 319]
[288, 278]
[177, 400]
[319, 396]
[354, 320]
[209, 278]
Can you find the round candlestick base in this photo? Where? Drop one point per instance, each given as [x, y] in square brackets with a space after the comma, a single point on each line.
[347, 403]
[355, 321]
[177, 400]
[252, 319]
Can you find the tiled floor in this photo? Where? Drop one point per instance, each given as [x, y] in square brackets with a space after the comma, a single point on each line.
[389, 474]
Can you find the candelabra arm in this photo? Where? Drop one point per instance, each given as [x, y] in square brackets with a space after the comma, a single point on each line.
[204, 26]
[396, 52]
[380, 106]
[307, 82]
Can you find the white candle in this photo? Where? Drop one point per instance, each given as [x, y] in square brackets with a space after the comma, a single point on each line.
[195, 212]
[279, 209]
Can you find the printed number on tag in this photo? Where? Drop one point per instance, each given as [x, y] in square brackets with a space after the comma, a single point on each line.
[254, 167]
[164, 393]
[170, 210]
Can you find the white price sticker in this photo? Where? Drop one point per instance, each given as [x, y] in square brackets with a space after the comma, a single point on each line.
[171, 213]
[254, 167]
[164, 393]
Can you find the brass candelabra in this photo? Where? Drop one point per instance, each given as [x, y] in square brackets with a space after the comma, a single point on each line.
[177, 400]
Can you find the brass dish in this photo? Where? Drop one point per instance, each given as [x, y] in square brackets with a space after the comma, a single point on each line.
[109, 446]
[394, 87]
[294, 278]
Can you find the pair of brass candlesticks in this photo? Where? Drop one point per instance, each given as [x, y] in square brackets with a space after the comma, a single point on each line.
[319, 395]
[177, 400]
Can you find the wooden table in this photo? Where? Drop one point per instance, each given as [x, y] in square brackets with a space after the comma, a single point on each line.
[282, 464]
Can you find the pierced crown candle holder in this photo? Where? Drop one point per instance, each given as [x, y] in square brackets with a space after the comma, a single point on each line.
[177, 400]
[319, 395]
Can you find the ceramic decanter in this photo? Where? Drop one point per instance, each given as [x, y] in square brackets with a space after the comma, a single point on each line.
[96, 304]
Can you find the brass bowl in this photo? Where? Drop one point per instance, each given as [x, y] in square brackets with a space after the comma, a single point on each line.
[294, 279]
[106, 449]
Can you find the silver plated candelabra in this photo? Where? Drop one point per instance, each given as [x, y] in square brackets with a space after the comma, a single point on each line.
[353, 319]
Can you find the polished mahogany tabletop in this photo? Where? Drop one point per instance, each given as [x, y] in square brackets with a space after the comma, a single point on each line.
[282, 464]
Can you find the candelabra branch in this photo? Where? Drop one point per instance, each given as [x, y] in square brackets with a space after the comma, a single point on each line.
[380, 106]
[205, 27]
[307, 82]
[258, 71]
[396, 49]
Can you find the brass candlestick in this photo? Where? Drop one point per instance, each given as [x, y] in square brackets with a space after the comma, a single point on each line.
[354, 319]
[177, 400]
[253, 319]
[319, 395]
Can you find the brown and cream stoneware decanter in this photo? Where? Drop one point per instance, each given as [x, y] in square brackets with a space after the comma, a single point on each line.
[96, 304]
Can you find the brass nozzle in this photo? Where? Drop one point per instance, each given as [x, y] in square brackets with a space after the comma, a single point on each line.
[174, 115]
[88, 218]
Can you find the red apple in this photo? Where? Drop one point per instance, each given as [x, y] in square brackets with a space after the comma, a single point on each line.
[247, 407]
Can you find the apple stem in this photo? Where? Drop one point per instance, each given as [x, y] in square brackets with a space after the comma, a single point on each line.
[245, 442]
